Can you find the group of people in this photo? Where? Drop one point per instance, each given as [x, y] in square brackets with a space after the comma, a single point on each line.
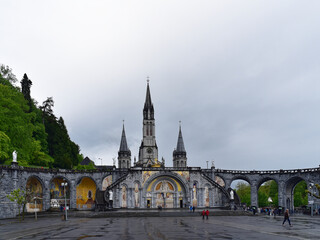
[192, 208]
[205, 213]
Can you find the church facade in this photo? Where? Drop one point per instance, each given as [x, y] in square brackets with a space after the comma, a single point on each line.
[149, 184]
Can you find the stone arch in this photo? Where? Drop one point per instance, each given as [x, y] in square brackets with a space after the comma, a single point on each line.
[59, 195]
[237, 199]
[266, 179]
[241, 177]
[85, 193]
[35, 189]
[260, 182]
[290, 184]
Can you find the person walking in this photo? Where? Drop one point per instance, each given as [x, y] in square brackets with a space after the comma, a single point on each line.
[286, 217]
[203, 213]
[207, 214]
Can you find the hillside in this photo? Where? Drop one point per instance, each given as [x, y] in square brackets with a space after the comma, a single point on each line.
[40, 138]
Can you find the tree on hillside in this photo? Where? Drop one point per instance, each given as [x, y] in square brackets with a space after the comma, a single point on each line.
[6, 76]
[65, 152]
[47, 106]
[25, 86]
[4, 147]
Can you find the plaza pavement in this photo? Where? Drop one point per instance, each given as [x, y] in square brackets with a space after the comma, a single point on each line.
[192, 226]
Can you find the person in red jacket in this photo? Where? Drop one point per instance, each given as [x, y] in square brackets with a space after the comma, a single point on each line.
[203, 213]
[207, 213]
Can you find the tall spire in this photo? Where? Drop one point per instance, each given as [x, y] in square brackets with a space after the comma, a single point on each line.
[123, 142]
[148, 111]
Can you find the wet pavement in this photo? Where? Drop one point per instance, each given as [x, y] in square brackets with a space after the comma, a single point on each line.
[216, 227]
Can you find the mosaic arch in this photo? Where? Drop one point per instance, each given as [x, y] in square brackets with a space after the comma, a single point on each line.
[165, 192]
[59, 193]
[86, 193]
[35, 195]
[220, 181]
[106, 182]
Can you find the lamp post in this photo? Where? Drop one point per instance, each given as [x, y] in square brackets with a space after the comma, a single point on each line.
[207, 163]
[312, 191]
[35, 208]
[100, 160]
[64, 185]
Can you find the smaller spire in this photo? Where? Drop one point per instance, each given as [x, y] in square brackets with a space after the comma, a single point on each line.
[123, 142]
[180, 145]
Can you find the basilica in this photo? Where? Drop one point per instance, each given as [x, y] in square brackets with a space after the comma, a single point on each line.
[149, 184]
[145, 183]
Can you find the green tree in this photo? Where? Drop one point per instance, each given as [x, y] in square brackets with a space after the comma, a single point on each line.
[243, 190]
[300, 195]
[6, 76]
[266, 190]
[21, 197]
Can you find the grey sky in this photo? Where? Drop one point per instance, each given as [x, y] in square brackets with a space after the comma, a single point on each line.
[242, 76]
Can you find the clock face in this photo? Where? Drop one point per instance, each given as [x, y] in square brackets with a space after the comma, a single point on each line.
[149, 150]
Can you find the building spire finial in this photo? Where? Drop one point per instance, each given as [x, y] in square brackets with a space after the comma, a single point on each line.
[148, 80]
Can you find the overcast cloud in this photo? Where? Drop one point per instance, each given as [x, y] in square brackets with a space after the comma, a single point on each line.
[242, 76]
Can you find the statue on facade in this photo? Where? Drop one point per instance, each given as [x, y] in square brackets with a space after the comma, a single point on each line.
[14, 156]
[110, 198]
[194, 200]
[231, 195]
[136, 195]
[212, 164]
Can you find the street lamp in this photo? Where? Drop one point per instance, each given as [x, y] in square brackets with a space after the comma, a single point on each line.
[100, 160]
[35, 208]
[312, 191]
[64, 185]
[207, 163]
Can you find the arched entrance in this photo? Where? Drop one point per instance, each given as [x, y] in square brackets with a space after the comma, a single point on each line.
[295, 193]
[86, 193]
[242, 196]
[268, 194]
[165, 192]
[34, 195]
